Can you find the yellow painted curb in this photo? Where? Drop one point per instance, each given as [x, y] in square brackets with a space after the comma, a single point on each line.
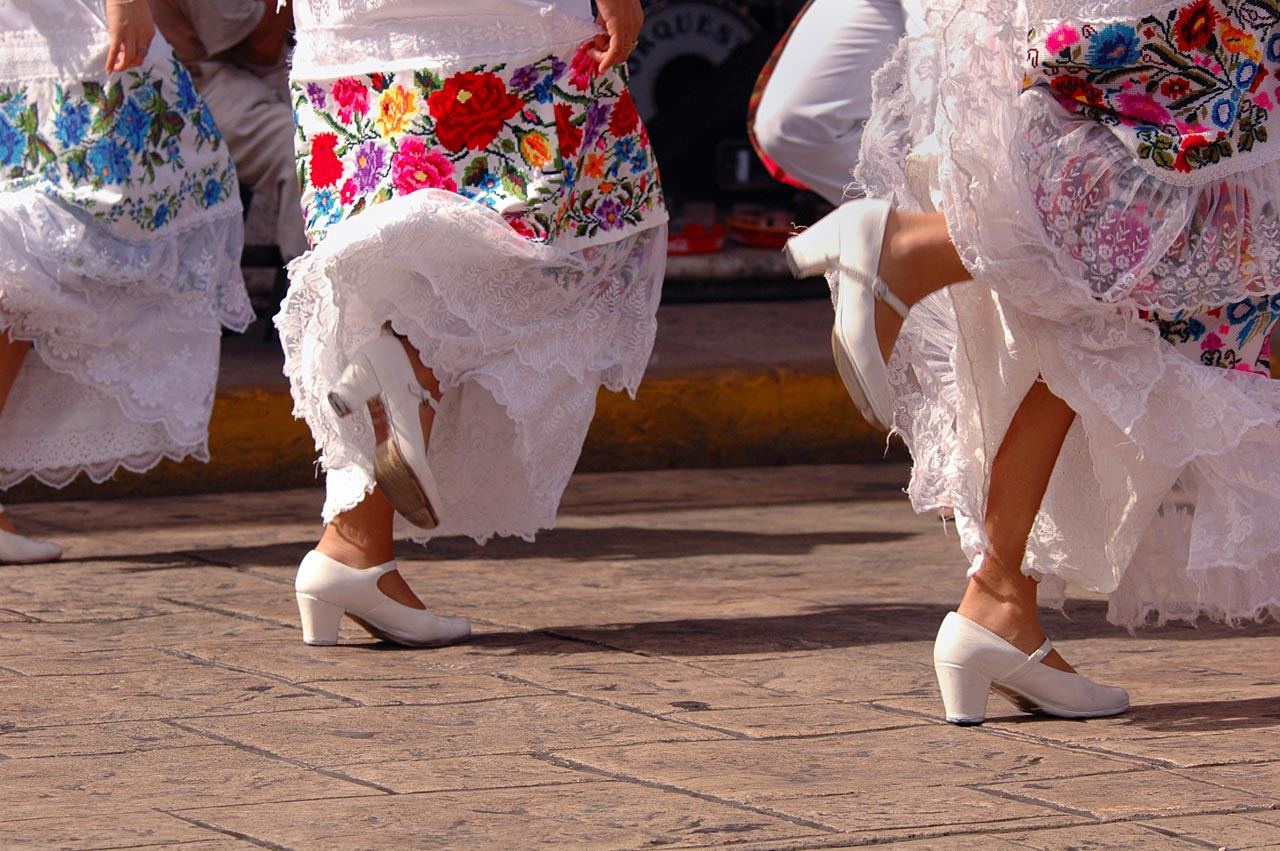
[718, 418]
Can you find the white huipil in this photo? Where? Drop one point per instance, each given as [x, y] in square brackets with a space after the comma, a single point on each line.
[120, 232]
[521, 331]
[1166, 491]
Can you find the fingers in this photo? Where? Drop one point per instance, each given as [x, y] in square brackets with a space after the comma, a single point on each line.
[127, 49]
[621, 20]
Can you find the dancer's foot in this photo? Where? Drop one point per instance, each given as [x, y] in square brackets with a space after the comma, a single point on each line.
[326, 589]
[1007, 607]
[384, 376]
[16, 548]
[362, 538]
[885, 261]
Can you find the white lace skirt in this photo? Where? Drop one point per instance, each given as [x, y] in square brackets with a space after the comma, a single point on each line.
[1166, 491]
[120, 236]
[521, 336]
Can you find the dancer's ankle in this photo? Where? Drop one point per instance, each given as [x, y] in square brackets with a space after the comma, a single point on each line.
[917, 257]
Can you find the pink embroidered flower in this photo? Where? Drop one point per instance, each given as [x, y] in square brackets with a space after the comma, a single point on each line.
[1062, 38]
[583, 69]
[348, 192]
[1212, 342]
[1264, 102]
[1142, 109]
[352, 98]
[414, 167]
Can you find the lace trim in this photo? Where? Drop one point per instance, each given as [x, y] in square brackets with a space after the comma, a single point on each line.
[326, 52]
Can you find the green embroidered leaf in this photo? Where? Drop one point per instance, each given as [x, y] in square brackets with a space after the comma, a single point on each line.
[115, 96]
[1261, 132]
[93, 92]
[384, 194]
[1164, 159]
[508, 146]
[427, 82]
[476, 172]
[1246, 141]
[358, 207]
[514, 182]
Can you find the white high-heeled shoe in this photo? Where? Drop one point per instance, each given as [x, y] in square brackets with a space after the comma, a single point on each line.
[380, 376]
[327, 589]
[848, 240]
[19, 549]
[972, 661]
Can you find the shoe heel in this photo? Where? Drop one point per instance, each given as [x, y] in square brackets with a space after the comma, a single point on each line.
[320, 620]
[812, 251]
[964, 693]
[357, 386]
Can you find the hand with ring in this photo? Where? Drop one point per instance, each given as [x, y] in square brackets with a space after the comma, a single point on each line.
[621, 20]
[130, 29]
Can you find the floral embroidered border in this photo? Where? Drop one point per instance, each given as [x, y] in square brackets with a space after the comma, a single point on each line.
[554, 146]
[1185, 89]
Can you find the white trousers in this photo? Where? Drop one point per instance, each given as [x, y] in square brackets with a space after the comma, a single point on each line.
[811, 115]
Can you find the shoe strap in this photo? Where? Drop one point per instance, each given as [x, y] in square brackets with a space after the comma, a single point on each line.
[882, 292]
[1034, 659]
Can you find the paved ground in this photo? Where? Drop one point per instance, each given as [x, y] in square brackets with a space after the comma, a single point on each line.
[693, 658]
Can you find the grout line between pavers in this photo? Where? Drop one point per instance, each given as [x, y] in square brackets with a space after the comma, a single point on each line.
[235, 834]
[1027, 799]
[213, 663]
[564, 762]
[263, 752]
[1173, 834]
[563, 692]
[230, 613]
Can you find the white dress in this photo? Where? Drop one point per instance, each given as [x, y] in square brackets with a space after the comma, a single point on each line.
[468, 176]
[1108, 187]
[120, 233]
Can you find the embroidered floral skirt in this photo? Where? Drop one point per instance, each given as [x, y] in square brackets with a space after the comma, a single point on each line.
[121, 232]
[1142, 294]
[507, 218]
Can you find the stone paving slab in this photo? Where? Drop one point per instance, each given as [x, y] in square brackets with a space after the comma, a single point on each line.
[734, 657]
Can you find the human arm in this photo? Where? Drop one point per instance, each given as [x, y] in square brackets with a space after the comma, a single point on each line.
[621, 20]
[130, 29]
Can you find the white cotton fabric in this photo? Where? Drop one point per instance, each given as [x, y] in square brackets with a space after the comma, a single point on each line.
[1167, 490]
[126, 323]
[521, 335]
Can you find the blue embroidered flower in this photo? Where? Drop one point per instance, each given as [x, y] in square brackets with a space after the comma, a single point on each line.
[187, 97]
[1223, 113]
[1245, 72]
[639, 162]
[524, 77]
[71, 123]
[52, 175]
[160, 217]
[133, 125]
[109, 161]
[13, 144]
[1273, 47]
[14, 106]
[326, 207]
[212, 192]
[1115, 46]
[543, 91]
[206, 127]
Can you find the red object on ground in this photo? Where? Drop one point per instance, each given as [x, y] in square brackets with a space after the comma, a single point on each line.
[696, 238]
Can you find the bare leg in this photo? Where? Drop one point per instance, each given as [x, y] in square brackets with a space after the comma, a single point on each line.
[12, 353]
[916, 259]
[362, 537]
[999, 596]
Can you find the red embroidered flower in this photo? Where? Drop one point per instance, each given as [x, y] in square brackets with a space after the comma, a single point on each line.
[1175, 88]
[348, 192]
[625, 118]
[471, 109]
[326, 168]
[1073, 90]
[583, 69]
[352, 97]
[569, 135]
[414, 167]
[520, 226]
[1190, 144]
[1195, 25]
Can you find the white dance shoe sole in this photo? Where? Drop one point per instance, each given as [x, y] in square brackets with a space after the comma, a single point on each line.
[381, 377]
[19, 549]
[848, 240]
[327, 589]
[971, 662]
